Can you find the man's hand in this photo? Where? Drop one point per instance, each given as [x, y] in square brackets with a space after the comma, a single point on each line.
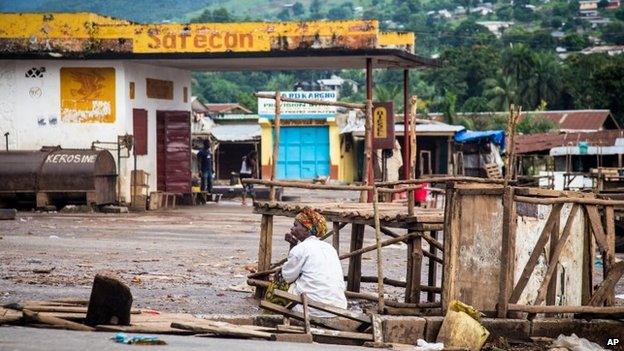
[290, 238]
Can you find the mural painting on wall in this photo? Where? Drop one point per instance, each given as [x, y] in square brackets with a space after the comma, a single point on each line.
[87, 95]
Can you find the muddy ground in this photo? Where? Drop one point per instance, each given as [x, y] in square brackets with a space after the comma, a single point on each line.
[191, 259]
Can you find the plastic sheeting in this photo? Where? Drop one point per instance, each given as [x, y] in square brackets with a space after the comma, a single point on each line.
[495, 136]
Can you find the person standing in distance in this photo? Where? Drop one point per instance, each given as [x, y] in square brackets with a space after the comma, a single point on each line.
[204, 165]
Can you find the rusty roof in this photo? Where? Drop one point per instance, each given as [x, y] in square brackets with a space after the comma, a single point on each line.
[579, 120]
[226, 108]
[535, 143]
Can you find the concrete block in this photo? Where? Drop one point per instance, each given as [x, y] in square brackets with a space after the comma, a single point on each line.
[402, 329]
[432, 327]
[7, 213]
[515, 329]
[596, 330]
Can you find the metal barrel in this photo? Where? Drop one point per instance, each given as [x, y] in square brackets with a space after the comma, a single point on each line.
[64, 175]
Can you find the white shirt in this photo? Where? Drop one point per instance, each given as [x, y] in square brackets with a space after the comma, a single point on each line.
[314, 267]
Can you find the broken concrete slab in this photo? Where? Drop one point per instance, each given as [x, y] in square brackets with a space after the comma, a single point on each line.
[403, 329]
[110, 302]
[114, 209]
[7, 213]
[514, 329]
[432, 327]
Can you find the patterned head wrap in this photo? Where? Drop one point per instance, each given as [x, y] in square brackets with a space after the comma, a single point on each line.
[313, 221]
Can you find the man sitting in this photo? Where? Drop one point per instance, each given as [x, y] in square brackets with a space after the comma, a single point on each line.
[313, 266]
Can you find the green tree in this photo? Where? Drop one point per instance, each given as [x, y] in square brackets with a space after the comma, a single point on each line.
[221, 15]
[283, 15]
[545, 79]
[614, 33]
[281, 82]
[298, 9]
[501, 91]
[476, 104]
[315, 8]
[204, 17]
[531, 124]
[575, 42]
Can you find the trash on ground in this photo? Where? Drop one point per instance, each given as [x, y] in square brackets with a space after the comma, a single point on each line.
[123, 338]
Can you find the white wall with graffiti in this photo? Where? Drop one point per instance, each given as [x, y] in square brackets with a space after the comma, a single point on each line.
[75, 103]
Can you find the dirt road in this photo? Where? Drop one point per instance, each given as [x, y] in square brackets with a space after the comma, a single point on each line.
[192, 259]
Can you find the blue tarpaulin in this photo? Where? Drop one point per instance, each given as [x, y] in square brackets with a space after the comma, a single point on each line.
[495, 136]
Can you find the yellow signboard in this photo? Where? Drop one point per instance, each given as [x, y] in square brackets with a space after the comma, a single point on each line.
[87, 95]
[380, 116]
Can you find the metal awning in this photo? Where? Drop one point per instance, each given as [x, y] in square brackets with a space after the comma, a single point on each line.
[236, 132]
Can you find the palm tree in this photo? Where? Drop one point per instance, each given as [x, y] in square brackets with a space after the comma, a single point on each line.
[501, 91]
[545, 79]
[517, 62]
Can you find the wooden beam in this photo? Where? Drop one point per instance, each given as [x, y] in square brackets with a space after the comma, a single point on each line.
[374, 247]
[507, 252]
[336, 236]
[432, 241]
[324, 322]
[380, 272]
[349, 105]
[223, 330]
[355, 260]
[556, 253]
[609, 226]
[265, 247]
[432, 274]
[55, 321]
[567, 200]
[597, 229]
[535, 254]
[414, 269]
[567, 309]
[325, 307]
[276, 138]
[441, 180]
[606, 288]
[304, 185]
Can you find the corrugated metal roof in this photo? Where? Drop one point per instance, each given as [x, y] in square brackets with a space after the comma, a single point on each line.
[226, 107]
[236, 132]
[545, 141]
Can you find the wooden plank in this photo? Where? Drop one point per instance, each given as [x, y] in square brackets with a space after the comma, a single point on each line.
[380, 272]
[483, 191]
[374, 247]
[324, 322]
[223, 330]
[160, 328]
[265, 247]
[551, 292]
[609, 226]
[336, 237]
[567, 200]
[606, 288]
[55, 321]
[325, 307]
[507, 252]
[304, 185]
[537, 251]
[377, 329]
[355, 262]
[326, 332]
[432, 274]
[556, 253]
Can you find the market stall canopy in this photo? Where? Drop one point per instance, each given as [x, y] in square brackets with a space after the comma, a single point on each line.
[495, 136]
[208, 46]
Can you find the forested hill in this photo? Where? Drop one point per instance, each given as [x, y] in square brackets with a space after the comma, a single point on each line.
[527, 52]
[134, 10]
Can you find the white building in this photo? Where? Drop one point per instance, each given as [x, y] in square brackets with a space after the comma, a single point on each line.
[80, 104]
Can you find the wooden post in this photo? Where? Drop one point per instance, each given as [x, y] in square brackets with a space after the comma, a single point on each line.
[380, 275]
[413, 150]
[507, 252]
[588, 262]
[368, 131]
[551, 293]
[276, 138]
[414, 267]
[336, 237]
[432, 278]
[306, 312]
[610, 256]
[406, 125]
[265, 248]
[355, 262]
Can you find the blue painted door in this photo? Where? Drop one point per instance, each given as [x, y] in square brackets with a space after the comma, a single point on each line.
[303, 153]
